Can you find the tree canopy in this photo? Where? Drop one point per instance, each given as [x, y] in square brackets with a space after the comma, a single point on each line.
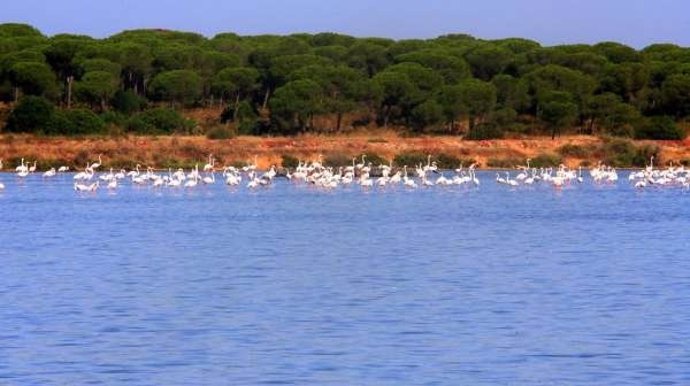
[330, 82]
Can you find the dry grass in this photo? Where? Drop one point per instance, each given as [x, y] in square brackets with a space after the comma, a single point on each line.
[165, 151]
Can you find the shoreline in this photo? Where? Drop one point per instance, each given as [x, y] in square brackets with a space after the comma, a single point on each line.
[162, 152]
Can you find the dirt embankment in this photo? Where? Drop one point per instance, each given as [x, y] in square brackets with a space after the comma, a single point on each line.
[184, 151]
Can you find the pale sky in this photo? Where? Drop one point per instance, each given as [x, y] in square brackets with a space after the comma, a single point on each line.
[634, 22]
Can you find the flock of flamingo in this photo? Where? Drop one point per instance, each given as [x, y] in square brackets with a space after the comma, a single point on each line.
[361, 173]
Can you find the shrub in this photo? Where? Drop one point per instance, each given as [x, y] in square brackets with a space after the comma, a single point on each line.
[220, 132]
[31, 114]
[624, 153]
[447, 161]
[249, 127]
[644, 152]
[289, 161]
[114, 118]
[127, 102]
[375, 159]
[484, 131]
[619, 152]
[504, 163]
[627, 131]
[575, 151]
[410, 158]
[75, 122]
[659, 128]
[81, 158]
[160, 121]
[337, 159]
[546, 160]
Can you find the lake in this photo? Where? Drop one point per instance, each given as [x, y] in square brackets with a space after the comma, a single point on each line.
[294, 285]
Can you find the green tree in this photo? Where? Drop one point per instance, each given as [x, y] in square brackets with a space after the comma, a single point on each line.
[60, 55]
[426, 114]
[450, 67]
[557, 110]
[295, 104]
[235, 84]
[127, 102]
[479, 99]
[31, 114]
[452, 102]
[97, 88]
[136, 61]
[659, 128]
[611, 114]
[34, 78]
[343, 88]
[177, 86]
[675, 95]
[397, 91]
[100, 64]
[488, 61]
[368, 57]
[511, 92]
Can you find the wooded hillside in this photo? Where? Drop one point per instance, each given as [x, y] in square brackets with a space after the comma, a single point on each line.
[139, 81]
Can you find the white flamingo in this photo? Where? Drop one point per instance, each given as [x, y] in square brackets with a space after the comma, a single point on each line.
[97, 165]
[21, 167]
[86, 188]
[209, 180]
[211, 163]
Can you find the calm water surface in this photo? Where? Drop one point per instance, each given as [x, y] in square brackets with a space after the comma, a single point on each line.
[290, 285]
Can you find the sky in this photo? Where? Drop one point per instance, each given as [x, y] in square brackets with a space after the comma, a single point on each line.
[634, 22]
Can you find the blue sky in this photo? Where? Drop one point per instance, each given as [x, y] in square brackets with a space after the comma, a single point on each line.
[634, 22]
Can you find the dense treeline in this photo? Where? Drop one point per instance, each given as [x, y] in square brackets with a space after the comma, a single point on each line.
[139, 80]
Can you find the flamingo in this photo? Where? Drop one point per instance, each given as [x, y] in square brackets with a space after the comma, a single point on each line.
[365, 181]
[253, 181]
[21, 167]
[500, 179]
[191, 183]
[211, 163]
[361, 165]
[209, 180]
[97, 165]
[63, 169]
[50, 173]
[23, 173]
[134, 173]
[510, 181]
[408, 182]
[86, 188]
[250, 167]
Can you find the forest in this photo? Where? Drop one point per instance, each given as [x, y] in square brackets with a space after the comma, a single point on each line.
[143, 82]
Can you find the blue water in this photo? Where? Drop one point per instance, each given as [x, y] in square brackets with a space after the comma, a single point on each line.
[291, 285]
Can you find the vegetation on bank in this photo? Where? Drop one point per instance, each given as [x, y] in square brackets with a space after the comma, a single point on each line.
[448, 152]
[140, 81]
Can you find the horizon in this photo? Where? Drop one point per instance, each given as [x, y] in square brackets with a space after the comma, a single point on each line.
[634, 23]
